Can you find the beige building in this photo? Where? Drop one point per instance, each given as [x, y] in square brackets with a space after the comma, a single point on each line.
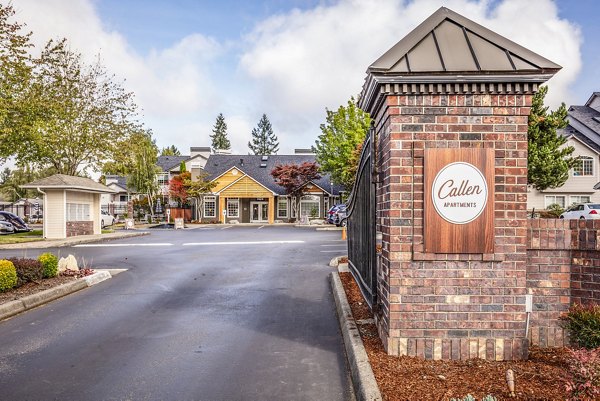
[71, 205]
[583, 133]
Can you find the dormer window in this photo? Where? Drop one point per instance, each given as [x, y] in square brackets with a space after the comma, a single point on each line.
[584, 167]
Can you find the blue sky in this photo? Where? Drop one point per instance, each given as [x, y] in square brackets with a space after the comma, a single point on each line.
[187, 61]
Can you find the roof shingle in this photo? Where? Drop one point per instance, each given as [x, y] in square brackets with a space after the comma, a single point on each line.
[251, 165]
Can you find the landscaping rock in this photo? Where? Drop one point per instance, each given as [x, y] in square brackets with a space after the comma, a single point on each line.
[69, 263]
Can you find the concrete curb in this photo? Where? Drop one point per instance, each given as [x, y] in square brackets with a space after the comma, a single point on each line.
[363, 379]
[84, 239]
[31, 301]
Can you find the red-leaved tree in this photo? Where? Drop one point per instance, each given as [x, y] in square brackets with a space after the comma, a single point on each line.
[294, 177]
[177, 188]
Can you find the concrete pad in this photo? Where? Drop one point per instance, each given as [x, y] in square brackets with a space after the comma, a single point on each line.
[96, 278]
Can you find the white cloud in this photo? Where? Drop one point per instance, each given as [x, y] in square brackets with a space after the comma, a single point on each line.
[172, 86]
[291, 66]
[306, 60]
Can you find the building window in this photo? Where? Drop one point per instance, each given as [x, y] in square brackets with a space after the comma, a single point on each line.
[233, 207]
[210, 206]
[162, 179]
[576, 199]
[123, 198]
[552, 199]
[282, 211]
[310, 206]
[584, 167]
[78, 212]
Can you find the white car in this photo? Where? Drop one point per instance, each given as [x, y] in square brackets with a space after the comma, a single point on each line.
[106, 219]
[582, 211]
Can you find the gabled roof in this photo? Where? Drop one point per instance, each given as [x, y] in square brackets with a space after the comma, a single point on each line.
[570, 131]
[118, 181]
[217, 165]
[448, 48]
[166, 163]
[69, 182]
[240, 178]
[588, 117]
[592, 97]
[449, 42]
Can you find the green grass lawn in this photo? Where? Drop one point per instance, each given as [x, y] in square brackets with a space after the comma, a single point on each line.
[35, 235]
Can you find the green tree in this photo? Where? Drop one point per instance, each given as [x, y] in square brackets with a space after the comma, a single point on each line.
[264, 141]
[170, 151]
[15, 81]
[11, 181]
[219, 137]
[549, 161]
[80, 114]
[142, 175]
[341, 135]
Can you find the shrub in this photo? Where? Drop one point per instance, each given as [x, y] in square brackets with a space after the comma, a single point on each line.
[555, 210]
[582, 322]
[49, 264]
[27, 270]
[583, 382]
[8, 275]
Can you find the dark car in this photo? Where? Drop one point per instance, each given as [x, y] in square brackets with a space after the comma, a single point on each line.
[340, 217]
[331, 212]
[18, 224]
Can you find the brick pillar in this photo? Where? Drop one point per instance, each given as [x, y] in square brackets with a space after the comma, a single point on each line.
[452, 306]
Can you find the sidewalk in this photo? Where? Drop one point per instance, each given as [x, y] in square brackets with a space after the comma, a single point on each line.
[82, 239]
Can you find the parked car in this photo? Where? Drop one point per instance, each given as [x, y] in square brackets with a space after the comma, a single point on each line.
[18, 223]
[106, 219]
[582, 211]
[6, 227]
[340, 217]
[331, 213]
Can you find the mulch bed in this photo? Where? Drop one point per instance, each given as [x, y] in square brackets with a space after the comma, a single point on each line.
[410, 378]
[34, 287]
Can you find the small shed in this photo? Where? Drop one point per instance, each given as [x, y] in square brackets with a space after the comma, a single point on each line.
[71, 205]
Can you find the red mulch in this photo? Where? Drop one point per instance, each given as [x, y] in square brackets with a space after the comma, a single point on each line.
[410, 378]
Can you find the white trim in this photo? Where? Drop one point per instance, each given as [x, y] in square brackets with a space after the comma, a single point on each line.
[546, 203]
[204, 201]
[227, 171]
[259, 203]
[64, 202]
[583, 143]
[233, 200]
[312, 200]
[287, 203]
[586, 158]
[318, 186]
[245, 175]
[571, 201]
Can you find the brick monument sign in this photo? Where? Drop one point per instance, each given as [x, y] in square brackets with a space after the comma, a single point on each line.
[450, 104]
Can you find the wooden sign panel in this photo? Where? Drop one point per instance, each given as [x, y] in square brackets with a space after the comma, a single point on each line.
[459, 200]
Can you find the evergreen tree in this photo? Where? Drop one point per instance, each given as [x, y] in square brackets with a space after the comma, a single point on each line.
[170, 151]
[264, 141]
[219, 137]
[549, 161]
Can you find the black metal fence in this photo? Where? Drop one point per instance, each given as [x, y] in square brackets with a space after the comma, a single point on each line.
[362, 257]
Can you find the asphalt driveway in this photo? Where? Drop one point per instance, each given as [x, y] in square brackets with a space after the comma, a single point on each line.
[214, 313]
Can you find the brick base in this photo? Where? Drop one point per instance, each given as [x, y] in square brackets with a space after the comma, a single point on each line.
[498, 349]
[75, 228]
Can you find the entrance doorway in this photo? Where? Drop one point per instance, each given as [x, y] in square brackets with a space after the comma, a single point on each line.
[259, 212]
